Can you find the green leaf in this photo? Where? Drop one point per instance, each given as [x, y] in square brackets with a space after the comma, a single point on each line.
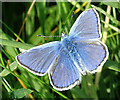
[112, 4]
[113, 65]
[12, 67]
[20, 93]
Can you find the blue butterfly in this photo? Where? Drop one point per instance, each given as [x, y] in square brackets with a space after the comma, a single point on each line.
[67, 60]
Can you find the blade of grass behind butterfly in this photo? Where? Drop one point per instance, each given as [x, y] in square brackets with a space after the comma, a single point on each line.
[91, 87]
[0, 86]
[12, 51]
[65, 9]
[51, 22]
[77, 5]
[59, 13]
[15, 44]
[114, 39]
[114, 12]
[1, 60]
[115, 4]
[115, 47]
[69, 15]
[9, 29]
[7, 85]
[30, 23]
[114, 28]
[106, 14]
[41, 13]
[88, 4]
[111, 44]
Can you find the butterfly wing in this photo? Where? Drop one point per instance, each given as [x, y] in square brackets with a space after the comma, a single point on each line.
[64, 74]
[87, 26]
[39, 60]
[93, 54]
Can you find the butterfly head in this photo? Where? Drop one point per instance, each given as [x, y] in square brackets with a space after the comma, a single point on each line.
[63, 36]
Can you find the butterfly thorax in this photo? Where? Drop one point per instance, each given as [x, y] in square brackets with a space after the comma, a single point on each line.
[68, 45]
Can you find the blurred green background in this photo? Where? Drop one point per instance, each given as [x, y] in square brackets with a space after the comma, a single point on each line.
[50, 19]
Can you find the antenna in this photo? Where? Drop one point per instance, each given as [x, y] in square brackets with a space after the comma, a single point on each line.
[71, 18]
[70, 21]
[47, 36]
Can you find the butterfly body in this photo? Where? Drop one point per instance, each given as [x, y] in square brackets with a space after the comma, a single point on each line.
[67, 44]
[70, 49]
[67, 60]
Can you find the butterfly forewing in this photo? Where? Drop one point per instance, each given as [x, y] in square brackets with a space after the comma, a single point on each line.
[39, 59]
[87, 26]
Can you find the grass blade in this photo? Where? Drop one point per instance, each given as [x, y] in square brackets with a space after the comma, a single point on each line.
[15, 44]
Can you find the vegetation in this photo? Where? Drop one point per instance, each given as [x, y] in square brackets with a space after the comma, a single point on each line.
[20, 27]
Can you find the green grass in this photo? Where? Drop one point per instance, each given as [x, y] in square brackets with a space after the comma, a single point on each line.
[45, 17]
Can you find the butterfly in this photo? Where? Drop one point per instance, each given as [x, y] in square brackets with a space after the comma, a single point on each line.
[75, 55]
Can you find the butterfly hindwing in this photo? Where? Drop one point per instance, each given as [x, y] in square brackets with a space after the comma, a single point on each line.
[93, 54]
[64, 74]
